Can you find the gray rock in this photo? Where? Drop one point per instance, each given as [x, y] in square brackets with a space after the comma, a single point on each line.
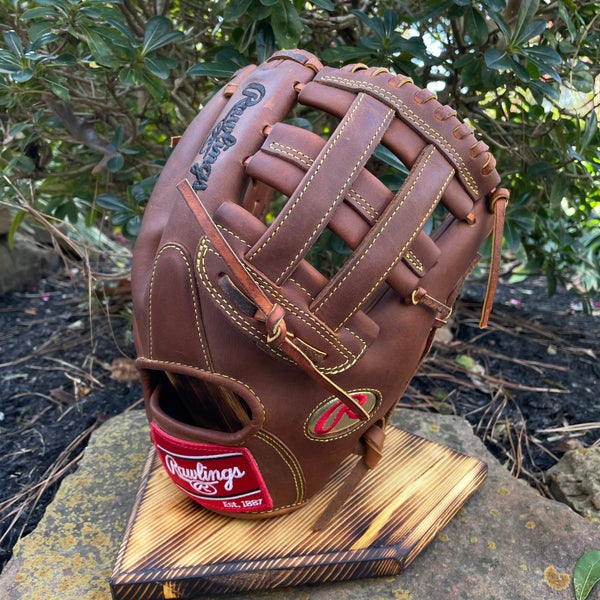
[508, 543]
[25, 263]
[575, 480]
[5, 220]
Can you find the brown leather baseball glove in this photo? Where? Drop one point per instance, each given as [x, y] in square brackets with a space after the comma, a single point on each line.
[260, 374]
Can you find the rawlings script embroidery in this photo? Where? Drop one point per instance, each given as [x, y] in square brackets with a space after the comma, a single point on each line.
[221, 137]
[203, 480]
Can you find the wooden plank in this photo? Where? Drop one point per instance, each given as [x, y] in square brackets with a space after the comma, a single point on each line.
[173, 548]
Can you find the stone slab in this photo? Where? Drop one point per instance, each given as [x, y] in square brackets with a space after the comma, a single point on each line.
[25, 263]
[508, 543]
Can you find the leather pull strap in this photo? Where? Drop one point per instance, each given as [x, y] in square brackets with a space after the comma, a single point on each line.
[273, 314]
[498, 203]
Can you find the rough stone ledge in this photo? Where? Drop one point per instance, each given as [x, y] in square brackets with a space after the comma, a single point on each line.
[24, 264]
[508, 543]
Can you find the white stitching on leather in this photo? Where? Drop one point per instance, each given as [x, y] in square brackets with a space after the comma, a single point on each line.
[196, 368]
[183, 255]
[363, 203]
[332, 205]
[307, 318]
[313, 175]
[289, 210]
[414, 118]
[289, 459]
[408, 242]
[414, 260]
[406, 194]
[293, 153]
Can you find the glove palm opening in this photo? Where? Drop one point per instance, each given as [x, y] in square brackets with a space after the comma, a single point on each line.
[203, 404]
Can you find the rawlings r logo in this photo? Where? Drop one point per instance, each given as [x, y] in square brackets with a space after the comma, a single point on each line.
[333, 418]
[221, 137]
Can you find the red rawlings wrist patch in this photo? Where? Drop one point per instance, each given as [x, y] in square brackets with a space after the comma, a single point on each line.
[223, 478]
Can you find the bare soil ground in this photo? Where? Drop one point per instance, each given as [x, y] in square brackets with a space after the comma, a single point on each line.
[527, 384]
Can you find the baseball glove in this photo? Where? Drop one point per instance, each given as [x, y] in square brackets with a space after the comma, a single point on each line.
[260, 374]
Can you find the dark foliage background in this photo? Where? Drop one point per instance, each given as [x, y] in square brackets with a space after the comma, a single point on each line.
[91, 91]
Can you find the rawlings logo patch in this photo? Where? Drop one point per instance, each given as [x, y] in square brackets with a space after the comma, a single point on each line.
[223, 478]
[333, 419]
[221, 137]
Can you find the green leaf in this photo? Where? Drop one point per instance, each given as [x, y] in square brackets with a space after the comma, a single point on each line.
[527, 10]
[265, 41]
[16, 222]
[591, 129]
[582, 80]
[545, 59]
[324, 4]
[503, 26]
[43, 40]
[55, 4]
[543, 55]
[566, 18]
[498, 59]
[464, 360]
[520, 71]
[389, 158]
[22, 76]
[41, 12]
[57, 88]
[236, 9]
[494, 5]
[132, 226]
[227, 62]
[541, 89]
[286, 23]
[9, 63]
[160, 65]
[112, 203]
[159, 32]
[390, 22]
[269, 2]
[375, 24]
[130, 77]
[13, 41]
[115, 163]
[248, 37]
[102, 51]
[475, 26]
[155, 87]
[344, 54]
[531, 30]
[215, 69]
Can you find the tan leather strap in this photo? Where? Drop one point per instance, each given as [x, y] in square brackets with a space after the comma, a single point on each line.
[498, 203]
[271, 313]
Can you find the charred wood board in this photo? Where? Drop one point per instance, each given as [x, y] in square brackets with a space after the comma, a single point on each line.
[175, 549]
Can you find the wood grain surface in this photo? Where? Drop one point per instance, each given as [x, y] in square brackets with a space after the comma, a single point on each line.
[175, 549]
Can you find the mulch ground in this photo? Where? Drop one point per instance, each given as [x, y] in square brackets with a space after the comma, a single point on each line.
[527, 384]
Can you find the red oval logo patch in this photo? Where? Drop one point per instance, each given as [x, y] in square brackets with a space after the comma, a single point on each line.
[332, 418]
